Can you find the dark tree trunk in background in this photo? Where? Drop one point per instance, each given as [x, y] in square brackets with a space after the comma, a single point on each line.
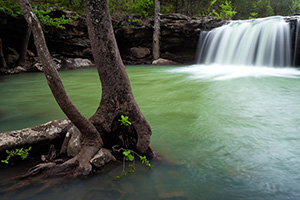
[2, 58]
[176, 6]
[24, 46]
[156, 31]
[92, 141]
[183, 7]
[117, 97]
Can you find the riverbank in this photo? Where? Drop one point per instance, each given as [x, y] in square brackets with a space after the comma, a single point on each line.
[70, 48]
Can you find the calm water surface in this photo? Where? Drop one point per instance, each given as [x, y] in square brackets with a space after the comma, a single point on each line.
[230, 133]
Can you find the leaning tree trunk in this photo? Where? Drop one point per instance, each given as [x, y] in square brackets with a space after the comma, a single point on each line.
[117, 97]
[92, 141]
[156, 31]
[2, 58]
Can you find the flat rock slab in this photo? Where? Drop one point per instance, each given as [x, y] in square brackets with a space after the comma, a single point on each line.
[34, 135]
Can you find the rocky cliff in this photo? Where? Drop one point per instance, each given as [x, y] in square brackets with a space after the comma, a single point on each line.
[70, 48]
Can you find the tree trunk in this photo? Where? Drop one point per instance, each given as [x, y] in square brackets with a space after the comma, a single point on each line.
[117, 97]
[156, 31]
[24, 46]
[2, 59]
[176, 7]
[92, 141]
[183, 7]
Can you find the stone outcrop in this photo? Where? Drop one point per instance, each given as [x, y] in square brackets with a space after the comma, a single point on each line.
[71, 47]
[43, 134]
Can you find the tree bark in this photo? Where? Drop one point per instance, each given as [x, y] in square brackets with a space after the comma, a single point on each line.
[156, 31]
[2, 58]
[92, 141]
[24, 46]
[183, 7]
[117, 97]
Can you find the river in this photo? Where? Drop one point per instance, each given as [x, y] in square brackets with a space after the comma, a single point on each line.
[228, 132]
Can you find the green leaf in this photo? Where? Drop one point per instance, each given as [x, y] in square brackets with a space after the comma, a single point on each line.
[130, 157]
[126, 153]
[4, 161]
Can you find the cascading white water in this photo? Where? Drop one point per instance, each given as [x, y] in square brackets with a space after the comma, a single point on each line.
[296, 40]
[259, 42]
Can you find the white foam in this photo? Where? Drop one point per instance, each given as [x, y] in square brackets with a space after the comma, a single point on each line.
[225, 72]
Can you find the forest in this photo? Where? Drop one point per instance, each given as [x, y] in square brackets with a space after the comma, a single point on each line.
[223, 9]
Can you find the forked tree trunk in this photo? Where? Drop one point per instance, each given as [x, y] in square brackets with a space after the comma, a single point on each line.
[92, 141]
[156, 31]
[117, 97]
[2, 58]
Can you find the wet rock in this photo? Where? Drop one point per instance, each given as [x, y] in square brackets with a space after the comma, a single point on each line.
[75, 63]
[74, 144]
[44, 133]
[16, 70]
[162, 61]
[140, 52]
[11, 59]
[102, 158]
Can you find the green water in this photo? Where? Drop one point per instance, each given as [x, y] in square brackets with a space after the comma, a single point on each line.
[227, 138]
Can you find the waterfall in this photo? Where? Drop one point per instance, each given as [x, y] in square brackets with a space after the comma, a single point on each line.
[296, 40]
[259, 42]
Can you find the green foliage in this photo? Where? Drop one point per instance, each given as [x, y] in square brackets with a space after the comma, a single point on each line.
[41, 10]
[73, 5]
[223, 11]
[294, 6]
[142, 8]
[227, 12]
[23, 153]
[124, 121]
[167, 8]
[253, 15]
[146, 162]
[11, 8]
[263, 8]
[128, 156]
[43, 14]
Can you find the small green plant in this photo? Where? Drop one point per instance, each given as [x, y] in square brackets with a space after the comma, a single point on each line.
[129, 156]
[124, 121]
[23, 153]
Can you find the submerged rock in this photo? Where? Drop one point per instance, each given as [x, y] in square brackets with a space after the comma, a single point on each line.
[102, 158]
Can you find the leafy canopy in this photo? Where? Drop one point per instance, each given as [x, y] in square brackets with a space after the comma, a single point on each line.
[41, 10]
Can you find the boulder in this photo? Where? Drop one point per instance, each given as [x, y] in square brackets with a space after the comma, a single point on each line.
[140, 52]
[102, 157]
[76, 63]
[162, 61]
[16, 70]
